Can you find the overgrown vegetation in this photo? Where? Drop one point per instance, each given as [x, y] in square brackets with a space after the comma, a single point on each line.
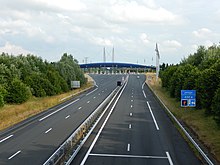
[22, 77]
[200, 72]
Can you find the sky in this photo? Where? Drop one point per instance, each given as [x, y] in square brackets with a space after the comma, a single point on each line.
[82, 28]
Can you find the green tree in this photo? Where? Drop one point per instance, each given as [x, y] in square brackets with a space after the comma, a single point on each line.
[207, 84]
[39, 85]
[197, 58]
[179, 78]
[1, 100]
[166, 75]
[216, 106]
[3, 93]
[191, 78]
[18, 92]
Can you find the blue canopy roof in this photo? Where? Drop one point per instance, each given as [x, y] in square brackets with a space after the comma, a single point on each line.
[117, 65]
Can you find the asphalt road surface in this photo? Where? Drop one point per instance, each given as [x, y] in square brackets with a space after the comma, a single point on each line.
[137, 132]
[35, 140]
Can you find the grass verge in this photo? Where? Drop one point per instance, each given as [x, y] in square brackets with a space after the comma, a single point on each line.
[205, 128]
[13, 114]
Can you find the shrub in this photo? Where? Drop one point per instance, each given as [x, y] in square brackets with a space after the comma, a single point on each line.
[1, 100]
[216, 106]
[18, 92]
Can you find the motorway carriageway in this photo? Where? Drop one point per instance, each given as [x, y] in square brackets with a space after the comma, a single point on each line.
[136, 131]
[34, 140]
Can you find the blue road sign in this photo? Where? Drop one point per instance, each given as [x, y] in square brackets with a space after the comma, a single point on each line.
[188, 98]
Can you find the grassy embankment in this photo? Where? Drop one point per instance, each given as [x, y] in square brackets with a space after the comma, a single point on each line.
[13, 114]
[205, 127]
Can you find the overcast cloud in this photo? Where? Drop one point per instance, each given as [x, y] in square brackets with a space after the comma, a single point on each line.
[48, 28]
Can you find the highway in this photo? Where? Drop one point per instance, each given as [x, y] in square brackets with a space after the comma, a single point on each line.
[35, 140]
[136, 131]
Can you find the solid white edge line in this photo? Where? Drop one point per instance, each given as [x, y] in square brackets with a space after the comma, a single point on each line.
[169, 158]
[143, 85]
[48, 131]
[155, 122]
[58, 110]
[144, 94]
[91, 92]
[129, 156]
[102, 127]
[14, 155]
[129, 147]
[6, 138]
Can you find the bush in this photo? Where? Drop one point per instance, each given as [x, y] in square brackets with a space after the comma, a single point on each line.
[207, 84]
[40, 86]
[18, 92]
[1, 100]
[216, 106]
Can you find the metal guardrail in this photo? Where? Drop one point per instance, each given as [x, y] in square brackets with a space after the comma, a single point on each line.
[202, 153]
[68, 150]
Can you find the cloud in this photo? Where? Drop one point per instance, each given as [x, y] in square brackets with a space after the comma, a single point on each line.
[144, 38]
[131, 11]
[13, 49]
[172, 44]
[101, 41]
[202, 33]
[132, 26]
[205, 37]
[72, 5]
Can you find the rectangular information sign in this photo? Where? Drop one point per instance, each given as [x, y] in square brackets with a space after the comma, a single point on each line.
[75, 84]
[188, 98]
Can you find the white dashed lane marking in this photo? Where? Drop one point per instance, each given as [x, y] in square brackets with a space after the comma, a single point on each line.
[48, 130]
[6, 138]
[129, 147]
[18, 152]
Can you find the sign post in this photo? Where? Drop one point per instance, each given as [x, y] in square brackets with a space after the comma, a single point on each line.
[188, 98]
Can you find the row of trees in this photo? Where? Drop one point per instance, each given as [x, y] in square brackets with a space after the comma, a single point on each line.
[201, 72]
[24, 76]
